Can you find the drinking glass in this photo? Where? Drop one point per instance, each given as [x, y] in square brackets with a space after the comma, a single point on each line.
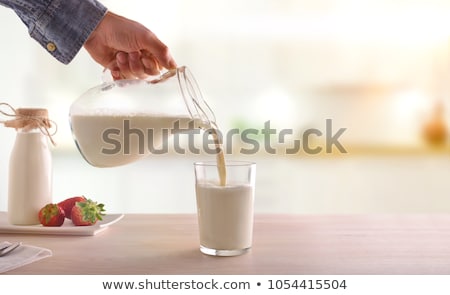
[225, 212]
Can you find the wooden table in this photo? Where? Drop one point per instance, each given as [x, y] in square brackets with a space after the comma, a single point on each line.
[283, 244]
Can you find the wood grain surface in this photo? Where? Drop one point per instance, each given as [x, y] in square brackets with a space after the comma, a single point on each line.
[282, 244]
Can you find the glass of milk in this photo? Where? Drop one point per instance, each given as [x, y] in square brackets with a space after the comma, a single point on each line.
[225, 212]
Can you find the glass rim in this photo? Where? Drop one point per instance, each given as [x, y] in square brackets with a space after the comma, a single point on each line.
[227, 163]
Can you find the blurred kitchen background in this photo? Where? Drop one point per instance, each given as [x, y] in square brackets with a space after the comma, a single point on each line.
[379, 68]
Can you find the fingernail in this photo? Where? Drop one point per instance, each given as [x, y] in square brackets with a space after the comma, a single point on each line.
[121, 57]
[115, 74]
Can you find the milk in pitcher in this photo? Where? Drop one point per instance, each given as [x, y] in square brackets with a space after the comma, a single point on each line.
[115, 139]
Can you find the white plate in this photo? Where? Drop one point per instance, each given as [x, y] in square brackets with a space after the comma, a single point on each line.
[66, 229]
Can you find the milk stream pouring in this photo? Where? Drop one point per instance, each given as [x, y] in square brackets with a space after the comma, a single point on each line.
[119, 122]
[30, 165]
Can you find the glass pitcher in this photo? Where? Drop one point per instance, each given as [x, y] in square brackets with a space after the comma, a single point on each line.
[119, 122]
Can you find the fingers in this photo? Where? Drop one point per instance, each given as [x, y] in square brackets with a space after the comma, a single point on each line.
[134, 65]
[150, 63]
[124, 65]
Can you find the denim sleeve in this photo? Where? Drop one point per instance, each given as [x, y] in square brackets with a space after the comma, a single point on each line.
[60, 26]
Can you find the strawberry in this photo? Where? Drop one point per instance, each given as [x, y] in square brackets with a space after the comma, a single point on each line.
[68, 204]
[51, 215]
[87, 212]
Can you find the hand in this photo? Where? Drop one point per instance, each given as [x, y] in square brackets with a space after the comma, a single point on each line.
[127, 48]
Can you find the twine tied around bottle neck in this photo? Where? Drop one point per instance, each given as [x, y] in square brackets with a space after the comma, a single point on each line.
[28, 119]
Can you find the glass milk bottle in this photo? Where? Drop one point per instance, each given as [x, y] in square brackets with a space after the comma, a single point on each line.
[30, 166]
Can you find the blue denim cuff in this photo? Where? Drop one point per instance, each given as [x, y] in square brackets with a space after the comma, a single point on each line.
[64, 26]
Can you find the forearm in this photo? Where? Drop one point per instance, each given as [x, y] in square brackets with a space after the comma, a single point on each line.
[60, 26]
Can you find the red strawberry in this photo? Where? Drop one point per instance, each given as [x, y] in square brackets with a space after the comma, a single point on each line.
[68, 204]
[51, 215]
[87, 212]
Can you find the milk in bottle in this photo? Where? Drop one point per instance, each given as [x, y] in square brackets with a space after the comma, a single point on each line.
[30, 166]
